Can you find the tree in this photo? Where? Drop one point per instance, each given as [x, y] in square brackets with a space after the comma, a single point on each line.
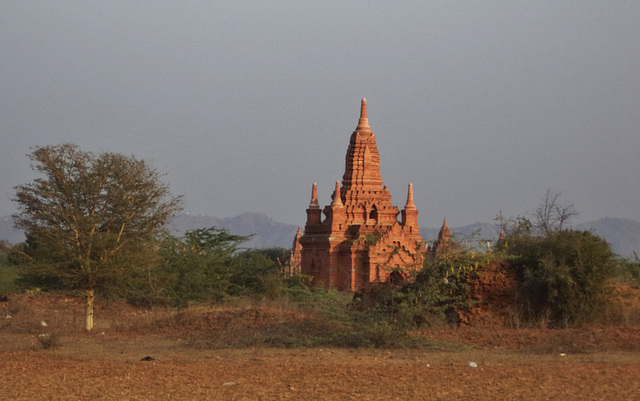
[552, 214]
[92, 219]
[199, 266]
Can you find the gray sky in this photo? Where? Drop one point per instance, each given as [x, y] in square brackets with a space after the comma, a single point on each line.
[483, 105]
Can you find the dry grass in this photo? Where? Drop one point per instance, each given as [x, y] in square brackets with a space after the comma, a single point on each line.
[279, 323]
[197, 351]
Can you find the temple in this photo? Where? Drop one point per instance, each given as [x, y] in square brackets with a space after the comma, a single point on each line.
[444, 239]
[360, 240]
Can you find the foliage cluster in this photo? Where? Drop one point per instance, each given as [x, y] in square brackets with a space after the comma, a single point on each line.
[563, 275]
[439, 293]
[628, 271]
[93, 224]
[91, 219]
[9, 271]
[205, 266]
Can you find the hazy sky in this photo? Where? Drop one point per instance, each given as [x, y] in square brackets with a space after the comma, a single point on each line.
[483, 105]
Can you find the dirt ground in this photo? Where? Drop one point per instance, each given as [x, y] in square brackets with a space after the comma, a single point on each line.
[484, 364]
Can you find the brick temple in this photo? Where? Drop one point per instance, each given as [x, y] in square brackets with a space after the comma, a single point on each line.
[360, 240]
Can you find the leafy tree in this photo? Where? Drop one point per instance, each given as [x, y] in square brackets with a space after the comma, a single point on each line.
[258, 274]
[199, 266]
[279, 256]
[91, 220]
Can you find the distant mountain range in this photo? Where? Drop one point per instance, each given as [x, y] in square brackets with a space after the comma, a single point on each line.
[622, 234]
[265, 232]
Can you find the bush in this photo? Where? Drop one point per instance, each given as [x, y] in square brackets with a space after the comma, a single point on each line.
[439, 293]
[49, 341]
[628, 271]
[255, 274]
[563, 275]
[198, 267]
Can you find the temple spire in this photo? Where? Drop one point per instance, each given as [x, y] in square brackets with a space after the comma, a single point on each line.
[410, 204]
[337, 199]
[444, 233]
[362, 164]
[363, 123]
[314, 197]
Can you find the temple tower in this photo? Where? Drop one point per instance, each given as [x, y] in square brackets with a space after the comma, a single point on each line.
[360, 239]
[444, 238]
[295, 257]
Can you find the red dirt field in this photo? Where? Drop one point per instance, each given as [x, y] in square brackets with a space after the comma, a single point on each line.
[593, 364]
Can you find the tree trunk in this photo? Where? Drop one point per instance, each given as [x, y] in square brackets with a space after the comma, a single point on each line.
[88, 310]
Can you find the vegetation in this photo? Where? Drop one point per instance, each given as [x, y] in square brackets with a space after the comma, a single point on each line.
[628, 271]
[93, 224]
[91, 220]
[563, 275]
[440, 293]
[9, 271]
[198, 267]
[205, 266]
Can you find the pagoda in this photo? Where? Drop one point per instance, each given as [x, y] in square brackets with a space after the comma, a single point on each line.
[359, 240]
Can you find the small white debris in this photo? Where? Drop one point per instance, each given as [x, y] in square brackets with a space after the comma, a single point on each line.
[43, 324]
[229, 384]
[473, 364]
[7, 316]
[563, 354]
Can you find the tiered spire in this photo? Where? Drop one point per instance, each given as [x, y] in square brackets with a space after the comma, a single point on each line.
[362, 167]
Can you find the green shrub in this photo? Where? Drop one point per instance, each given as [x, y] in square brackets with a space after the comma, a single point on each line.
[8, 278]
[628, 271]
[563, 275]
[438, 294]
[198, 267]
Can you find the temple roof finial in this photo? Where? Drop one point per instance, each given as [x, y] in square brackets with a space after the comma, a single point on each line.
[363, 124]
[314, 197]
[410, 204]
[337, 199]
